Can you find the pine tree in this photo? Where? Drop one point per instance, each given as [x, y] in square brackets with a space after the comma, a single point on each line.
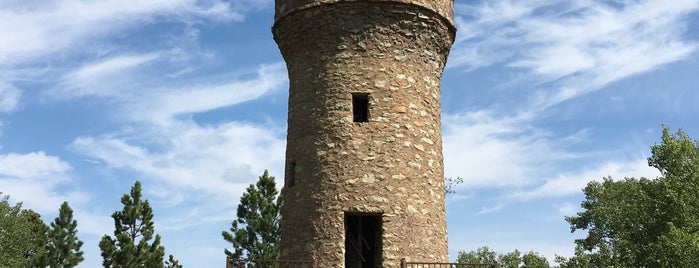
[63, 247]
[255, 233]
[133, 231]
[172, 263]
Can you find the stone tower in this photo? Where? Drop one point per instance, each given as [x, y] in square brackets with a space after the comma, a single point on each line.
[364, 181]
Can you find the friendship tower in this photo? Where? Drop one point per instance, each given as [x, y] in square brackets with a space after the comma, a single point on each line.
[364, 181]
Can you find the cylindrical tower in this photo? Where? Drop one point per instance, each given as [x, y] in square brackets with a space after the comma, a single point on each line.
[364, 182]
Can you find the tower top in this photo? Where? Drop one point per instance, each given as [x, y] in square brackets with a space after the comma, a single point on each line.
[444, 8]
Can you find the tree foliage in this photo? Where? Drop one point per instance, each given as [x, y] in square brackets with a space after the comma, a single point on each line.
[172, 263]
[481, 255]
[532, 259]
[255, 233]
[133, 232]
[510, 259]
[22, 235]
[514, 259]
[450, 184]
[63, 246]
[643, 222]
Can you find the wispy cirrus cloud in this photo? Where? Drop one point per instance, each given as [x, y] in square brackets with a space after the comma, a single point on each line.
[561, 51]
[164, 104]
[581, 48]
[212, 159]
[206, 167]
[154, 92]
[40, 40]
[112, 77]
[572, 183]
[141, 86]
[165, 146]
[145, 66]
[37, 28]
[171, 146]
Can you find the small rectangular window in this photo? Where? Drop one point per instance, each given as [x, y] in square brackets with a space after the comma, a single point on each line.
[290, 180]
[360, 107]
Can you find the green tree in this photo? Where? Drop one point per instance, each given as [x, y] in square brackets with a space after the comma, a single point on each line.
[510, 260]
[22, 235]
[642, 222]
[533, 259]
[514, 259]
[36, 237]
[581, 259]
[255, 233]
[481, 255]
[133, 231]
[63, 246]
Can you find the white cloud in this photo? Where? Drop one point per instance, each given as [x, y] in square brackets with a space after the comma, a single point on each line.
[9, 97]
[193, 170]
[215, 160]
[45, 37]
[162, 105]
[523, 162]
[36, 165]
[572, 183]
[567, 49]
[490, 209]
[41, 195]
[204, 216]
[92, 222]
[566, 209]
[501, 240]
[109, 77]
[144, 95]
[32, 178]
[206, 166]
[111, 66]
[581, 47]
[489, 151]
[31, 31]
[483, 33]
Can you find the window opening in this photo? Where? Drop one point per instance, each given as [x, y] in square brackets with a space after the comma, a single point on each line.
[360, 107]
[290, 180]
[362, 241]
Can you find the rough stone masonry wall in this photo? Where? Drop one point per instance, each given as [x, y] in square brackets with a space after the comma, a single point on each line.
[391, 165]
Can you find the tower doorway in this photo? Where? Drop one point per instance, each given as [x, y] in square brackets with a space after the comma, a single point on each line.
[362, 240]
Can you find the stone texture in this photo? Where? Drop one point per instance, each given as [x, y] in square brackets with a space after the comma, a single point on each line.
[394, 51]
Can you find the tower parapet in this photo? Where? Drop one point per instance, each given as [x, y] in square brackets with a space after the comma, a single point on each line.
[364, 181]
[444, 8]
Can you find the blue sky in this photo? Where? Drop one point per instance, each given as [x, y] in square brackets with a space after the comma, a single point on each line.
[189, 97]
